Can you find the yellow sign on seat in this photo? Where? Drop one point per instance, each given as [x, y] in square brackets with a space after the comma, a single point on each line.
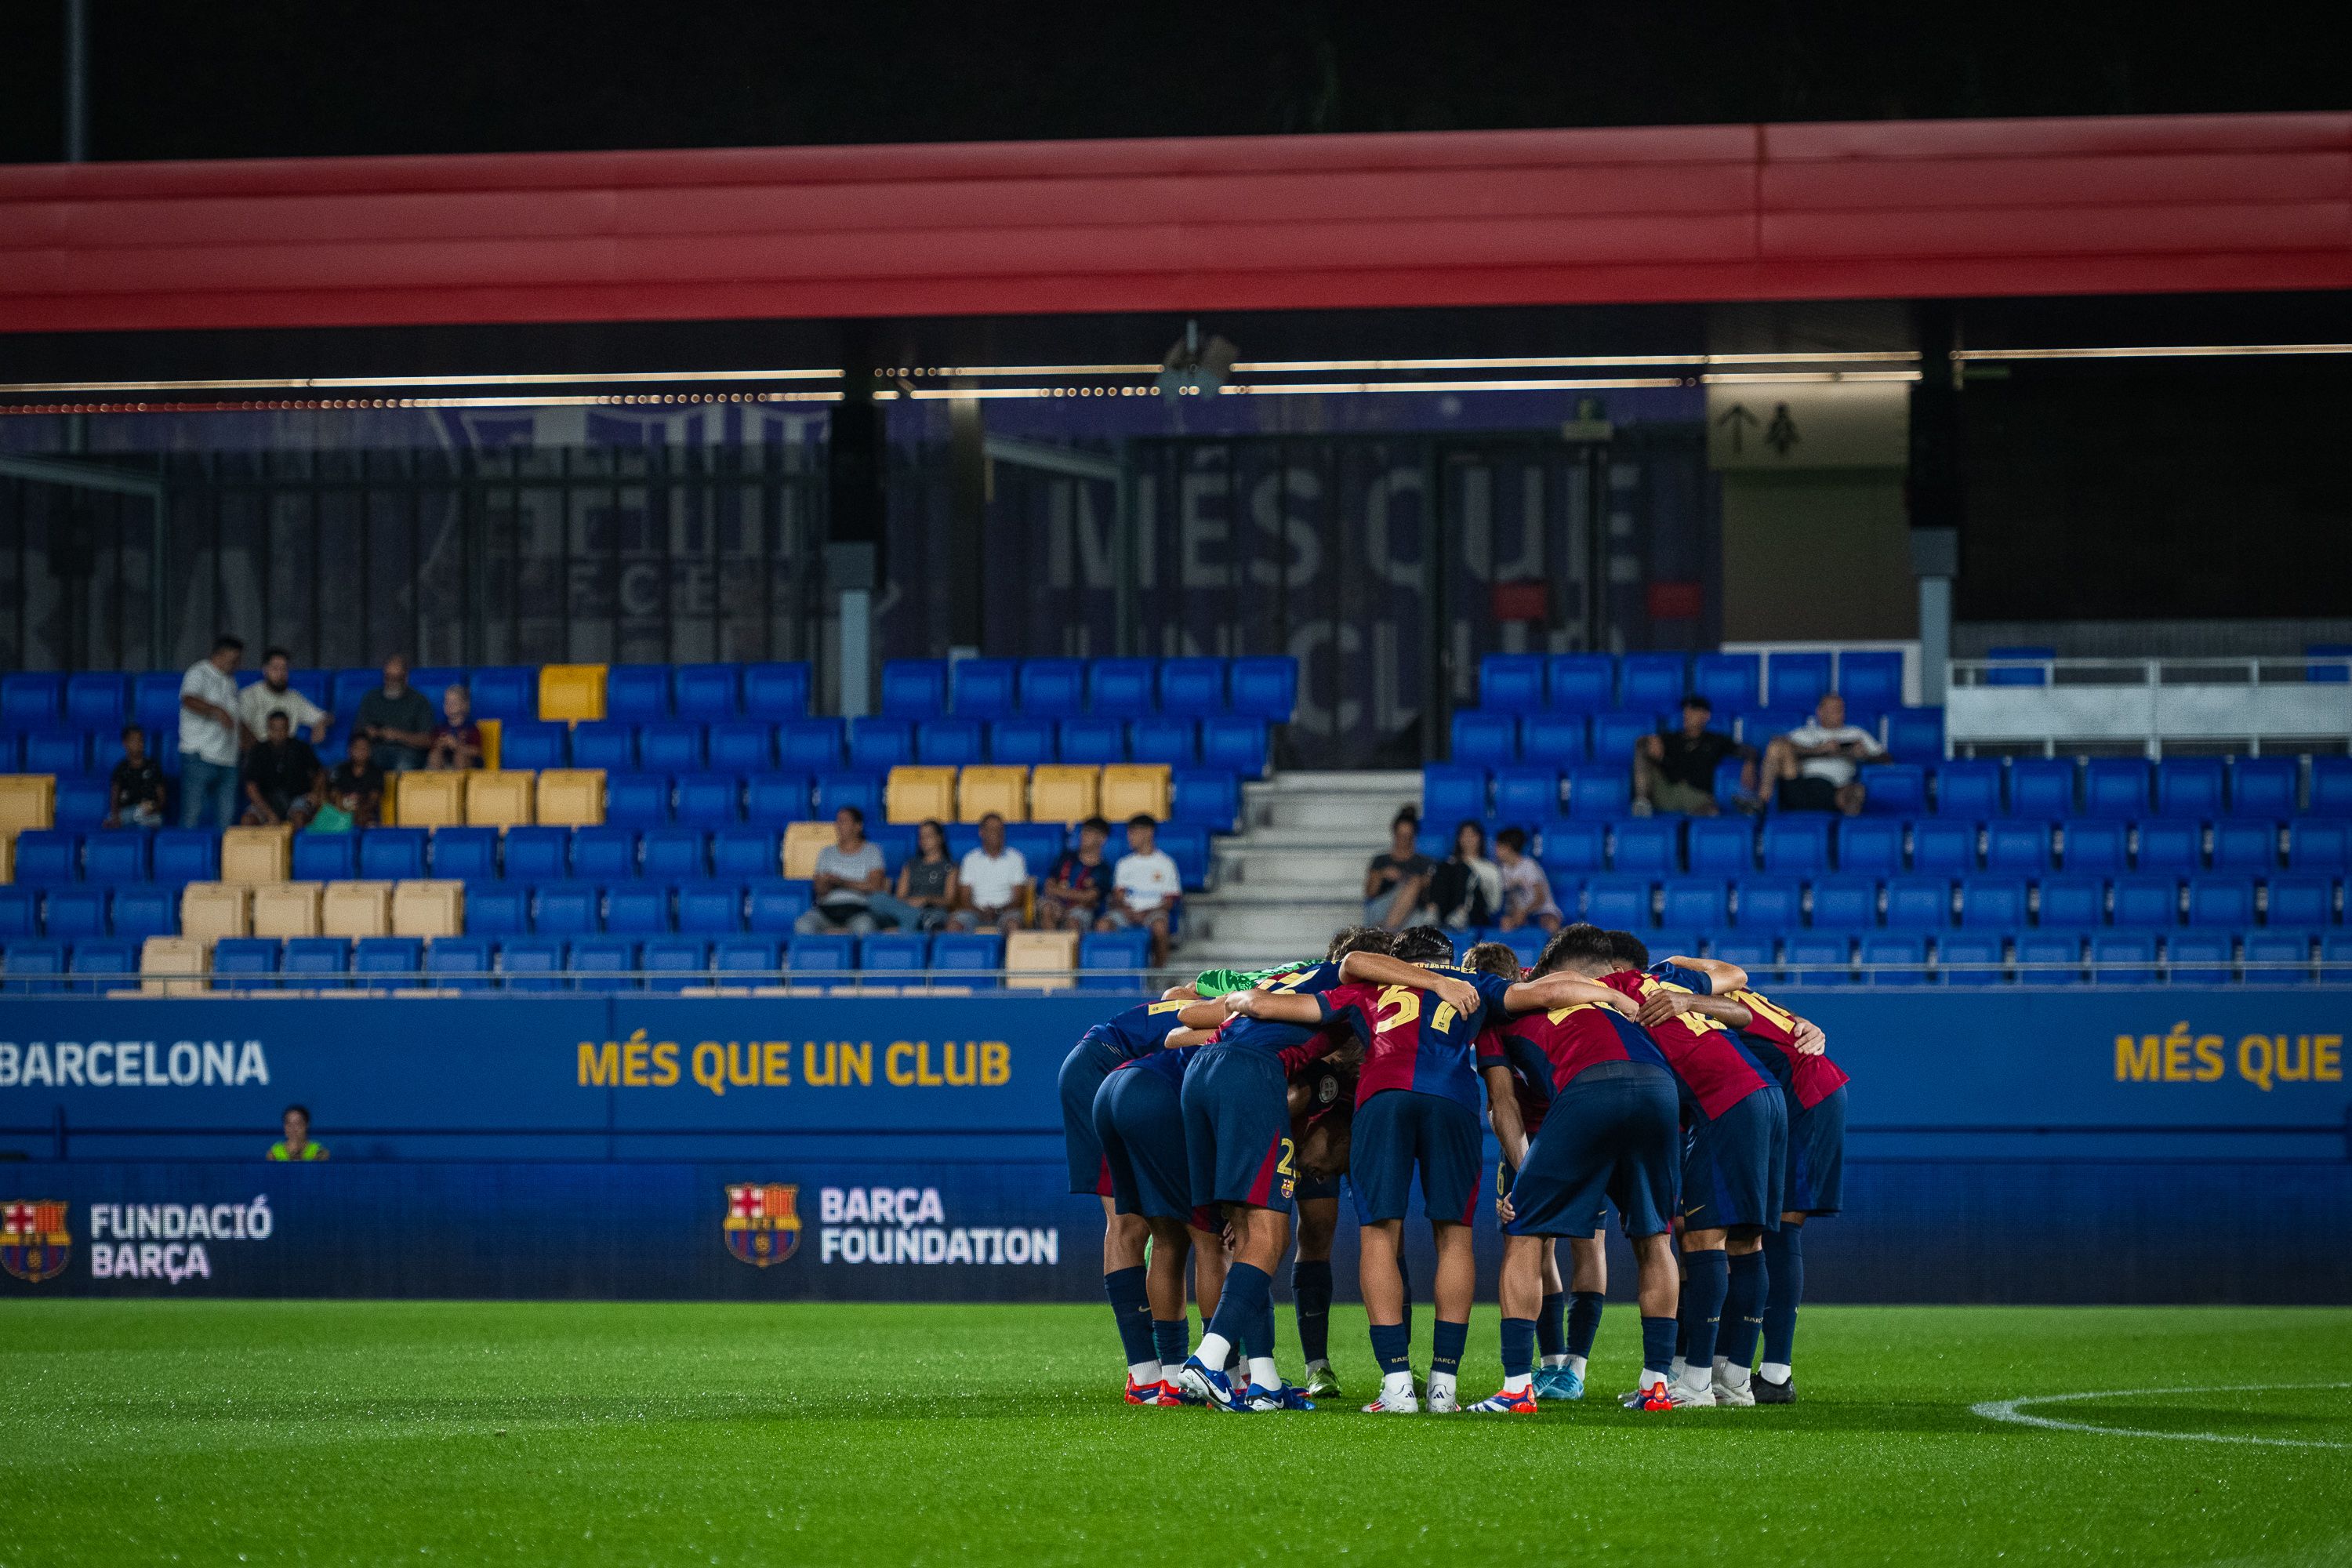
[428, 909]
[803, 841]
[211, 911]
[1002, 790]
[569, 693]
[1063, 793]
[173, 966]
[356, 908]
[915, 794]
[1040, 960]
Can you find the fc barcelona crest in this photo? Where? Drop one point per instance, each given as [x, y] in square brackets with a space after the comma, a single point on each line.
[34, 1243]
[763, 1223]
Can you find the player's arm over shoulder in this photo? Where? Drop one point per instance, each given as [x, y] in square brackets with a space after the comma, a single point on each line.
[1721, 978]
[1554, 991]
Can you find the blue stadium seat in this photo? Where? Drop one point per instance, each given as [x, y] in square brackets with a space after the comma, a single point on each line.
[1916, 735]
[2284, 957]
[2336, 956]
[527, 743]
[1511, 682]
[501, 692]
[2222, 901]
[914, 688]
[1765, 904]
[1889, 959]
[834, 790]
[536, 855]
[1599, 791]
[1526, 941]
[895, 840]
[1652, 682]
[1920, 903]
[2200, 958]
[2123, 957]
[1582, 682]
[1617, 732]
[20, 913]
[98, 967]
[1845, 904]
[1055, 688]
[1570, 851]
[1971, 958]
[673, 963]
[141, 911]
[2042, 788]
[48, 858]
[30, 700]
[2074, 903]
[389, 854]
[73, 913]
[2315, 845]
[56, 751]
[1732, 682]
[1121, 688]
[2189, 786]
[83, 801]
[811, 745]
[2169, 846]
[949, 742]
[1209, 797]
[316, 957]
[1621, 903]
[881, 744]
[1968, 789]
[746, 961]
[328, 856]
[1041, 843]
[1820, 958]
[1694, 902]
[1722, 844]
[435, 679]
[395, 958]
[1874, 845]
[1022, 742]
[2046, 957]
[1797, 844]
[709, 693]
[530, 962]
[1800, 679]
[637, 693]
[1760, 728]
[2013, 846]
[106, 750]
[2116, 787]
[2094, 847]
[1235, 744]
[1167, 737]
[248, 962]
[741, 853]
[908, 953]
[674, 854]
[12, 752]
[2301, 899]
[2331, 787]
[344, 690]
[710, 800]
[1488, 740]
[95, 701]
[743, 746]
[2019, 666]
[2246, 846]
[568, 909]
[974, 955]
[772, 906]
[1650, 845]
[607, 743]
[1103, 955]
[1451, 793]
[983, 688]
[1093, 740]
[2145, 902]
[775, 691]
[1266, 687]
[774, 800]
[1186, 845]
[1526, 794]
[605, 854]
[1870, 680]
[1668, 939]
[459, 962]
[1894, 789]
[114, 857]
[501, 910]
[1554, 739]
[1992, 902]
[716, 907]
[637, 909]
[1195, 685]
[156, 704]
[2263, 787]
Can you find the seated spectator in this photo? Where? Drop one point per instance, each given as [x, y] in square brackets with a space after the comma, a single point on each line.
[295, 1145]
[1466, 887]
[927, 882]
[849, 884]
[210, 733]
[1396, 884]
[456, 739]
[283, 780]
[355, 787]
[270, 694]
[1814, 765]
[398, 719]
[1144, 888]
[1078, 889]
[1675, 772]
[135, 793]
[996, 882]
[1527, 891]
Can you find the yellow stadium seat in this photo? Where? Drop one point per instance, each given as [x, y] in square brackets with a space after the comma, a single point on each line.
[286, 909]
[493, 732]
[1005, 791]
[172, 966]
[1063, 793]
[211, 911]
[7, 856]
[803, 841]
[428, 909]
[1040, 960]
[356, 908]
[572, 798]
[28, 800]
[1135, 789]
[429, 799]
[499, 800]
[571, 692]
[917, 794]
[256, 856]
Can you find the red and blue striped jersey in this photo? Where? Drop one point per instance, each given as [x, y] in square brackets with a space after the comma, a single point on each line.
[1773, 1040]
[1708, 1058]
[1414, 1039]
[1545, 1051]
[1277, 1039]
[1140, 1031]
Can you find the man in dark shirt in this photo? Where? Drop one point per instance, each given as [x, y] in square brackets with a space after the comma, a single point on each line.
[136, 797]
[356, 786]
[1396, 884]
[398, 719]
[282, 779]
[1675, 772]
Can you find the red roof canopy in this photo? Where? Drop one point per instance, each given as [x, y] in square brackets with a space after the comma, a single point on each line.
[2207, 202]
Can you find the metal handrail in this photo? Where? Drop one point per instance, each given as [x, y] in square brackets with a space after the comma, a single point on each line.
[2163, 670]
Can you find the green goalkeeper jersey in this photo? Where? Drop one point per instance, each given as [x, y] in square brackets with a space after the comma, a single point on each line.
[1216, 982]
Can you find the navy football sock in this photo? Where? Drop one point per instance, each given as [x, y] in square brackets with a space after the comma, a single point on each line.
[1133, 1311]
[1743, 1310]
[1248, 1290]
[1519, 1347]
[1405, 1274]
[1445, 1349]
[1657, 1344]
[1261, 1337]
[1390, 1348]
[1784, 1257]
[1709, 1282]
[1550, 1333]
[1584, 1322]
[1310, 1288]
[1173, 1339]
[1682, 1324]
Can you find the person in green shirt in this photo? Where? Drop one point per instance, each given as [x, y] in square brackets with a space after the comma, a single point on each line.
[297, 1144]
[1213, 984]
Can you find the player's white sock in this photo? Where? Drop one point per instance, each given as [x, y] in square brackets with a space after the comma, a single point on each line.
[1144, 1372]
[1651, 1374]
[1263, 1373]
[1213, 1349]
[1442, 1386]
[1518, 1384]
[1696, 1377]
[1550, 1362]
[1574, 1364]
[1775, 1371]
[1732, 1376]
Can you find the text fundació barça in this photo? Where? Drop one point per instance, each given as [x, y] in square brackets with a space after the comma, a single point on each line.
[167, 1241]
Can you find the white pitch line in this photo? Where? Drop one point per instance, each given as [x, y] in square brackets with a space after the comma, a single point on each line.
[2014, 1411]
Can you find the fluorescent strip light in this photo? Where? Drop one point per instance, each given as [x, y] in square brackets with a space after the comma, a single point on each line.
[327, 382]
[2178, 351]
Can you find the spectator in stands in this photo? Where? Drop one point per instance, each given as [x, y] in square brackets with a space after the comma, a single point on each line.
[1527, 891]
[1396, 884]
[996, 882]
[1079, 887]
[927, 882]
[210, 735]
[1675, 772]
[398, 719]
[849, 882]
[135, 793]
[355, 787]
[1815, 764]
[456, 739]
[1466, 887]
[296, 1144]
[283, 780]
[1144, 887]
[270, 694]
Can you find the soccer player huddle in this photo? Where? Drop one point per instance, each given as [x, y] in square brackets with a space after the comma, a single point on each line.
[1711, 1120]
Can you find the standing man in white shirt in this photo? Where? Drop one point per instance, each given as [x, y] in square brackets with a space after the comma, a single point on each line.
[209, 727]
[993, 882]
[270, 694]
[1814, 764]
[1145, 887]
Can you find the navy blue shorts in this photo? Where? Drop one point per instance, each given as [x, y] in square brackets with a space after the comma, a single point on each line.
[1613, 1133]
[1305, 1188]
[1400, 1131]
[1238, 1144]
[1140, 1118]
[1817, 1156]
[1736, 1166]
[1083, 1070]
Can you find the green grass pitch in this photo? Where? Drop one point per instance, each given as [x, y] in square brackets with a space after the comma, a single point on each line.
[327, 1433]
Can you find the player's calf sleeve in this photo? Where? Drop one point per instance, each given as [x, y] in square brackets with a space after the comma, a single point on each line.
[1708, 1281]
[1743, 1310]
[1551, 1337]
[1657, 1344]
[1584, 1322]
[1519, 1347]
[1404, 1277]
[1390, 1348]
[1248, 1290]
[1446, 1346]
[1310, 1288]
[1171, 1340]
[1784, 1259]
[1132, 1309]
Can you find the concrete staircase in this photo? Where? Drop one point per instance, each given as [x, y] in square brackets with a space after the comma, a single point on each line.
[1296, 871]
